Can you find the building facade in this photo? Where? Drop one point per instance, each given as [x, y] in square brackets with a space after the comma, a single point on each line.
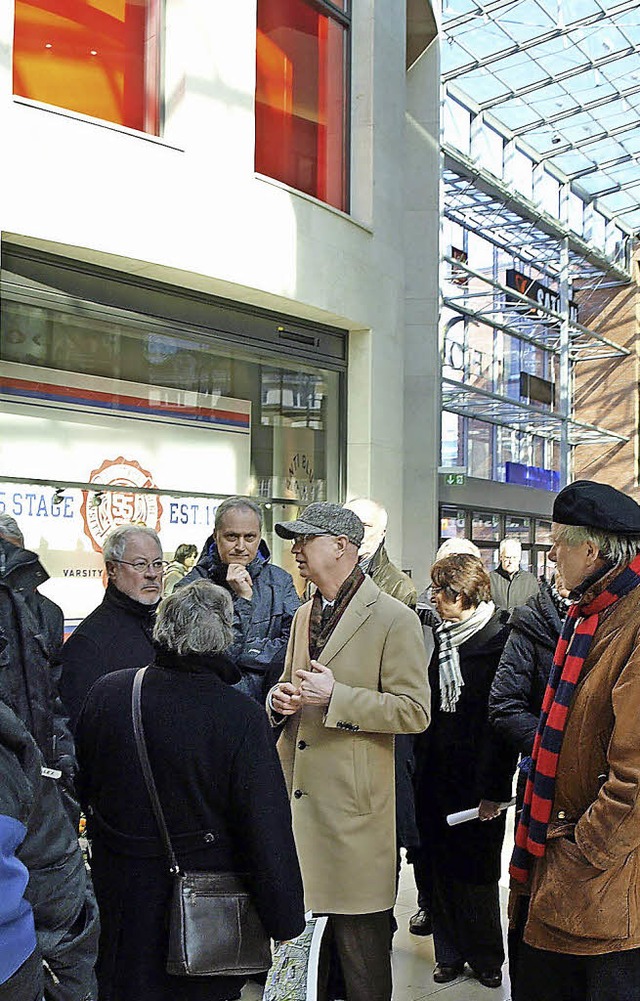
[219, 269]
[540, 284]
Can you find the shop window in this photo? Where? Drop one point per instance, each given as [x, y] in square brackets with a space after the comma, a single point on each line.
[97, 58]
[301, 97]
[147, 420]
[518, 528]
[479, 449]
[485, 527]
[452, 523]
[543, 533]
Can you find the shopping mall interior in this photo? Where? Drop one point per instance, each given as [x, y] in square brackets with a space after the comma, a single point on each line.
[312, 250]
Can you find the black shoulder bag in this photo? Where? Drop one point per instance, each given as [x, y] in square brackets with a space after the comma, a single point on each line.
[214, 928]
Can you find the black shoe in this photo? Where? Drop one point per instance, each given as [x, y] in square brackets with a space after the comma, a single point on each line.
[420, 923]
[445, 974]
[490, 978]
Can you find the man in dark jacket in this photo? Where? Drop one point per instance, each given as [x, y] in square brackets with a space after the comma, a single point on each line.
[511, 586]
[48, 915]
[372, 554]
[117, 634]
[264, 597]
[515, 702]
[30, 662]
[24, 572]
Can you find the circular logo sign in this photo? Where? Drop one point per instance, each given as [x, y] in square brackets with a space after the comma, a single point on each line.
[101, 513]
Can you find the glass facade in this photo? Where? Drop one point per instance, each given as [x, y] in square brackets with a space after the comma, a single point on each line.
[488, 357]
[302, 96]
[98, 58]
[111, 414]
[486, 529]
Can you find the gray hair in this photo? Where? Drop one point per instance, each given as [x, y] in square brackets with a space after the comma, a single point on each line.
[237, 503]
[10, 529]
[195, 619]
[451, 546]
[118, 538]
[509, 542]
[618, 549]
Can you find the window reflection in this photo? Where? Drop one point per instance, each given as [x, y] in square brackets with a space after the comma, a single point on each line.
[301, 98]
[98, 58]
[295, 408]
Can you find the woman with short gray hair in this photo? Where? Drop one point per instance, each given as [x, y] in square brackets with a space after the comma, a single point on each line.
[220, 785]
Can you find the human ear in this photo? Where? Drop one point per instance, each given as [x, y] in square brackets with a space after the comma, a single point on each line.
[341, 542]
[593, 553]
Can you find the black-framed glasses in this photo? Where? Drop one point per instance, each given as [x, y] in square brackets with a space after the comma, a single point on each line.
[141, 566]
[432, 590]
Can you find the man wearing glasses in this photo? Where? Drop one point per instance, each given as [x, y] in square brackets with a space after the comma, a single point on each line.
[117, 634]
[355, 674]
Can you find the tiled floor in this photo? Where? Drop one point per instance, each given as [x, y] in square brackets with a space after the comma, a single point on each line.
[413, 960]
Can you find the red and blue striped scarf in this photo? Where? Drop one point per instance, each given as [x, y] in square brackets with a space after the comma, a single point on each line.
[571, 652]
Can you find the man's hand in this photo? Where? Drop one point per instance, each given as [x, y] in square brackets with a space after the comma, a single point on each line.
[316, 685]
[285, 699]
[239, 580]
[488, 810]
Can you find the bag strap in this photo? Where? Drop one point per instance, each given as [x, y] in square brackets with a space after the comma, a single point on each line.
[141, 747]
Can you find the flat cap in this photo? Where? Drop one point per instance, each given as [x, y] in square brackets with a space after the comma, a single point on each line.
[597, 505]
[324, 519]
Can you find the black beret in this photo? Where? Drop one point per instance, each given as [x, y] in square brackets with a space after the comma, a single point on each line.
[597, 505]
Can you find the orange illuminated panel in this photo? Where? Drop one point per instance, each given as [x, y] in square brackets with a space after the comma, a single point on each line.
[301, 98]
[95, 57]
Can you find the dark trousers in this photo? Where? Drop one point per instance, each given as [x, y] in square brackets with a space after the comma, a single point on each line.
[518, 920]
[556, 976]
[361, 942]
[466, 923]
[26, 984]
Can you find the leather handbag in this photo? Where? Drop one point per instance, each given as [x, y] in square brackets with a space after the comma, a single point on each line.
[214, 928]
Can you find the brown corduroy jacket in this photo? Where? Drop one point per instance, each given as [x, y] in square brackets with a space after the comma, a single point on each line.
[585, 892]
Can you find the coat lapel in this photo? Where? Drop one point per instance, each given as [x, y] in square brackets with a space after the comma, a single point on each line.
[356, 614]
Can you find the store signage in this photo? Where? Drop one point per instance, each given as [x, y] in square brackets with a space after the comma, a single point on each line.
[163, 439]
[103, 510]
[532, 387]
[540, 293]
[532, 476]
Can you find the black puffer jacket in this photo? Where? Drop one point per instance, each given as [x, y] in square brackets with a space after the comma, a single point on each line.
[37, 836]
[261, 626]
[521, 679]
[30, 664]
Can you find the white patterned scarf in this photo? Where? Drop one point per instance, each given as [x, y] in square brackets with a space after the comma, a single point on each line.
[449, 636]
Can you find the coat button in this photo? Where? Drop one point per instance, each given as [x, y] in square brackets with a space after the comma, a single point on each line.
[561, 815]
[302, 744]
[209, 837]
[298, 793]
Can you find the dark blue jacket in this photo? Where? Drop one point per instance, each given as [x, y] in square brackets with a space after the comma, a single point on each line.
[261, 626]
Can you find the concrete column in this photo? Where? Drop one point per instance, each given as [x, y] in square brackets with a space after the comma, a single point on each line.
[422, 366]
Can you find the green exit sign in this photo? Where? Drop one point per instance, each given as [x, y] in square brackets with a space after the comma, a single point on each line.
[455, 479]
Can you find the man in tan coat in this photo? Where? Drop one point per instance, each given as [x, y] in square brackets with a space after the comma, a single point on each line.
[355, 674]
[578, 840]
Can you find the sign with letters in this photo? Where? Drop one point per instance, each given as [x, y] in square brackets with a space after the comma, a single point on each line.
[143, 440]
[540, 293]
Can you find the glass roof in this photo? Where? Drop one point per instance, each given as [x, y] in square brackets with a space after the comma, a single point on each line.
[562, 79]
